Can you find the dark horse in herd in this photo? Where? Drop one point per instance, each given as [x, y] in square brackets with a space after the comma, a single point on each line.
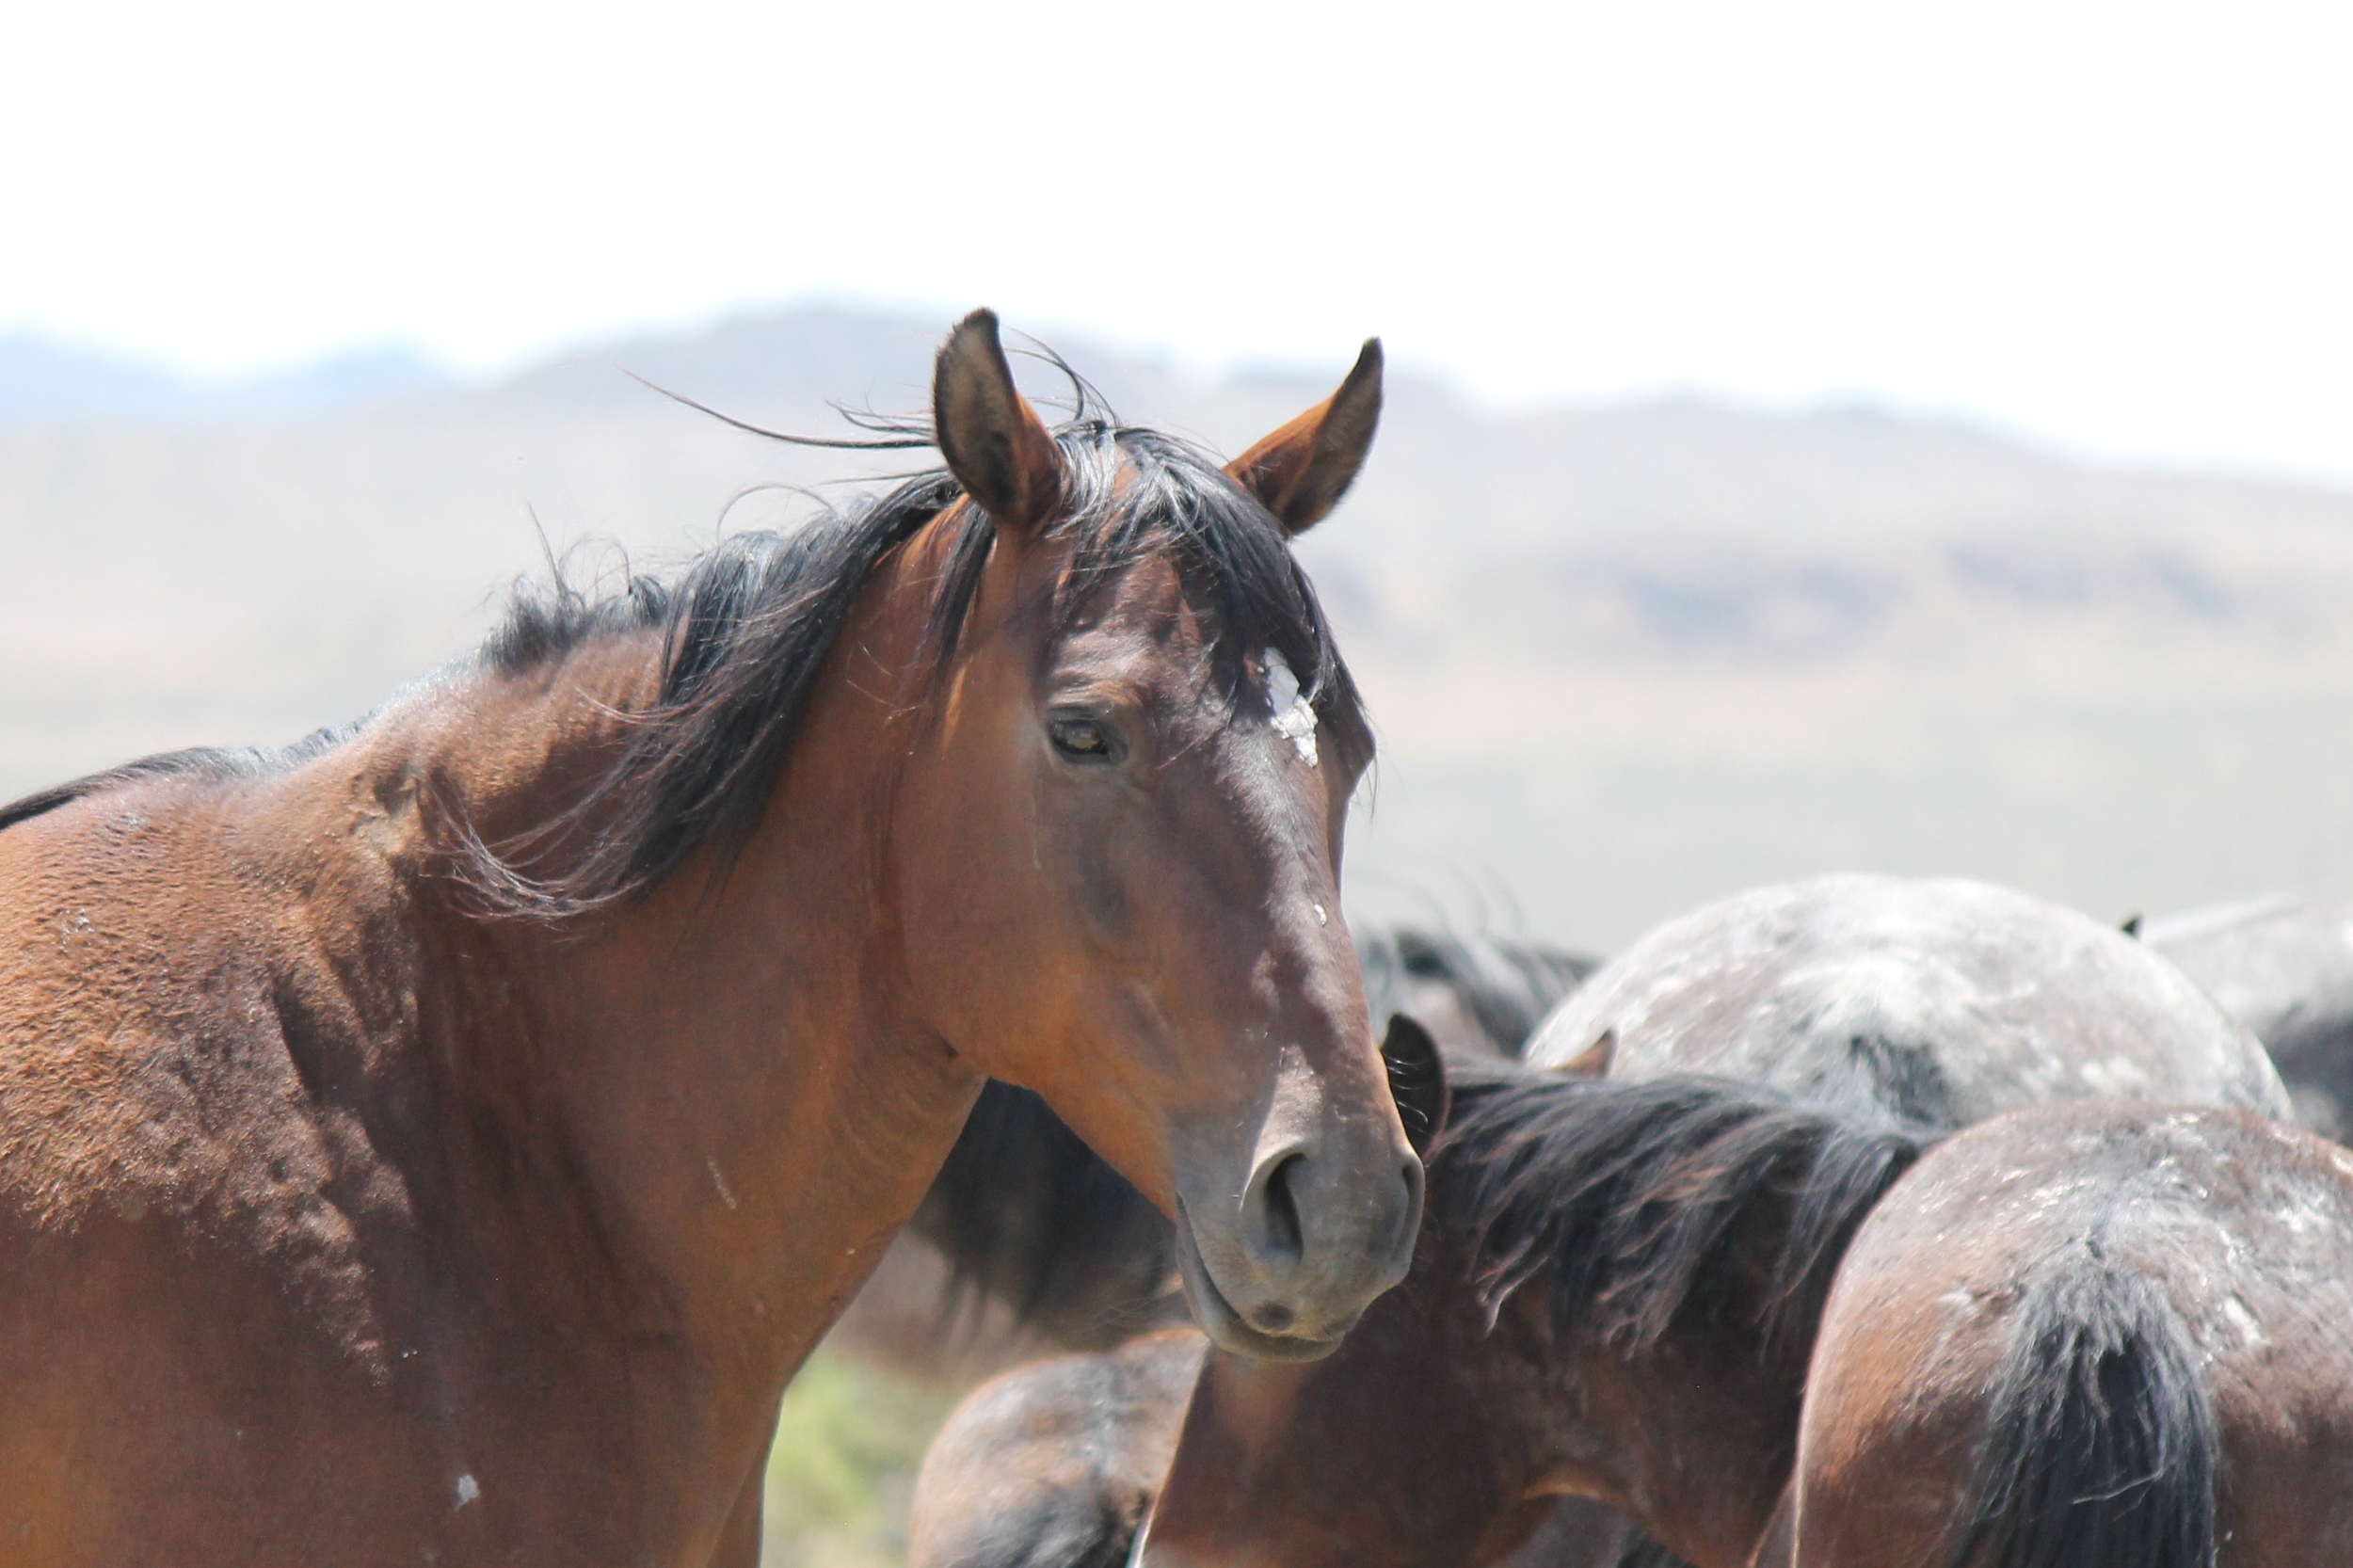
[441, 1141]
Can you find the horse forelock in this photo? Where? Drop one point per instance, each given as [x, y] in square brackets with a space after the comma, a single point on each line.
[745, 628]
[1626, 1202]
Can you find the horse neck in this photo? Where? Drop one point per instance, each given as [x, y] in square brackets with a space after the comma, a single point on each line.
[724, 1082]
[1692, 1436]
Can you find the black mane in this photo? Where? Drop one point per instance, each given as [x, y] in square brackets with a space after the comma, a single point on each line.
[1627, 1198]
[749, 625]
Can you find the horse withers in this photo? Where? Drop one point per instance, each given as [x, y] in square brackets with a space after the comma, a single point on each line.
[1938, 1000]
[441, 1141]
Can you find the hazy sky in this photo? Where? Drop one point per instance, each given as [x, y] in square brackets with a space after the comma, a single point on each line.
[2127, 228]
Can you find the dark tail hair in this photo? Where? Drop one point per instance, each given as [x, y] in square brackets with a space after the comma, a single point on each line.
[2100, 1441]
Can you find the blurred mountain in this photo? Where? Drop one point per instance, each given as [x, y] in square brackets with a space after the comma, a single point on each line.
[44, 382]
[1623, 658]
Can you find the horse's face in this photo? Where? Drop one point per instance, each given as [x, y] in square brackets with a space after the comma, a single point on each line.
[1128, 899]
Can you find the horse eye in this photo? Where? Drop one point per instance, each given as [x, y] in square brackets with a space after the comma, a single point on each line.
[1079, 738]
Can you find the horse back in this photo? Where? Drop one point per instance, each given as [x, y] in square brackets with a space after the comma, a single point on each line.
[1941, 1001]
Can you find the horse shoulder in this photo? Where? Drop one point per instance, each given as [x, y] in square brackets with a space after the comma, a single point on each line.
[174, 1008]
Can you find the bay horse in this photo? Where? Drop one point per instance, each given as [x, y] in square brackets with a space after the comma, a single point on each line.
[2088, 1336]
[1848, 1021]
[1055, 1464]
[2091, 1335]
[441, 1141]
[1408, 1454]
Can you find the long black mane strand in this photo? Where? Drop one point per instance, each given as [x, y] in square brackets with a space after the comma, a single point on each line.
[1626, 1199]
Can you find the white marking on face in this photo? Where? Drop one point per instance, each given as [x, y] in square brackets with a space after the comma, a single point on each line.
[468, 1488]
[719, 1181]
[1321, 918]
[1294, 716]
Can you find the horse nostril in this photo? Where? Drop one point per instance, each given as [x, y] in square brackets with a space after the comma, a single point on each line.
[1273, 1316]
[1284, 1238]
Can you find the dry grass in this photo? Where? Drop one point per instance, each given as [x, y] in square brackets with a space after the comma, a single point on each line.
[844, 1466]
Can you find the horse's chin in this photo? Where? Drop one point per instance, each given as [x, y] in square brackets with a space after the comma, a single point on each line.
[1226, 1328]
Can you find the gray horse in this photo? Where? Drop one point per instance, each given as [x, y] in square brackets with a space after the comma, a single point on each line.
[1941, 1001]
[2283, 967]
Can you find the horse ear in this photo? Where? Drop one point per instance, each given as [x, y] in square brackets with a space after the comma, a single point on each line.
[1593, 1060]
[1417, 1082]
[994, 445]
[1301, 472]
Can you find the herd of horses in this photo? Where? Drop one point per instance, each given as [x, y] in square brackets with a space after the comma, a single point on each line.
[441, 1140]
[1862, 1219]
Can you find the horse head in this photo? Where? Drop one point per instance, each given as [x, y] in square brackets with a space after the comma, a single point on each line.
[1118, 838]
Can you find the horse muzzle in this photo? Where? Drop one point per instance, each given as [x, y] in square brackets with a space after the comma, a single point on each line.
[1284, 1273]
